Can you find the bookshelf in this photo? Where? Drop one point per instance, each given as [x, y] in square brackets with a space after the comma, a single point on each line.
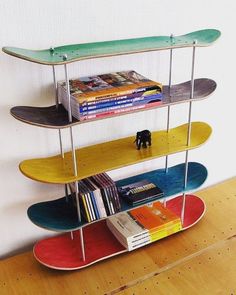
[76, 246]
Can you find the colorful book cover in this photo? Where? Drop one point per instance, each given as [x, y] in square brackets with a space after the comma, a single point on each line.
[116, 112]
[143, 92]
[112, 105]
[107, 85]
[140, 191]
[154, 217]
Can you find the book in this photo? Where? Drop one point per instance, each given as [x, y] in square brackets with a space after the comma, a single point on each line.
[128, 232]
[139, 192]
[107, 88]
[99, 108]
[159, 220]
[116, 112]
[143, 225]
[115, 84]
[151, 90]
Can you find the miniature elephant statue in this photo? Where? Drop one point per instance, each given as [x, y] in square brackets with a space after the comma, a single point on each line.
[142, 139]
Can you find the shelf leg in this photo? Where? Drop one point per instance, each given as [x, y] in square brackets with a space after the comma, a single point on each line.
[71, 235]
[82, 243]
[189, 130]
[168, 109]
[73, 155]
[66, 192]
[57, 105]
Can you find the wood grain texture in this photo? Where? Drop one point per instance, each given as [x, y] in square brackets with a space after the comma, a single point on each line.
[52, 117]
[200, 260]
[111, 48]
[99, 242]
[61, 214]
[113, 154]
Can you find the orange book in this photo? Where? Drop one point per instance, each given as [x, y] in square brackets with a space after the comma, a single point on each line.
[154, 217]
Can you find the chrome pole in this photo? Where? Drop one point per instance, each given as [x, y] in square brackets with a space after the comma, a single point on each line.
[168, 109]
[82, 243]
[66, 192]
[57, 105]
[189, 131]
[59, 130]
[73, 155]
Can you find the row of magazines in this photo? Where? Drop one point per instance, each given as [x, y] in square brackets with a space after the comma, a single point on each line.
[99, 96]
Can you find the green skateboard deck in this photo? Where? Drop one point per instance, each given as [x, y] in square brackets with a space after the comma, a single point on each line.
[77, 52]
[51, 117]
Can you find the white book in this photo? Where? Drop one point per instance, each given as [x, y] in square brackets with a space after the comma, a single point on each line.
[127, 226]
[98, 199]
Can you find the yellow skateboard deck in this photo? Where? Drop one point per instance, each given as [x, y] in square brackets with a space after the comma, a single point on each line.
[113, 154]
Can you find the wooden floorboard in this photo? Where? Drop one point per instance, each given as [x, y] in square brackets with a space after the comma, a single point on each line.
[200, 260]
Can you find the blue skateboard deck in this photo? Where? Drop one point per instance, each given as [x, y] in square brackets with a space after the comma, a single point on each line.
[61, 215]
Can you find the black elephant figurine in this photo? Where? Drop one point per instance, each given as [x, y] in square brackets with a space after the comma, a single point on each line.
[143, 138]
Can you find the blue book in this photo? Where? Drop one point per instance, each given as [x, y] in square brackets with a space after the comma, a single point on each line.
[117, 104]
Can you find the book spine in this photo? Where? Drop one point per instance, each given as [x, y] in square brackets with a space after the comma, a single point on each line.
[104, 196]
[120, 111]
[165, 232]
[86, 208]
[90, 206]
[100, 204]
[97, 215]
[114, 106]
[116, 92]
[114, 191]
[108, 187]
[119, 99]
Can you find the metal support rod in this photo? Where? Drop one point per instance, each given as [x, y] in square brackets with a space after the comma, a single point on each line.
[185, 186]
[191, 94]
[66, 192]
[73, 156]
[82, 243]
[168, 109]
[77, 200]
[189, 132]
[57, 105]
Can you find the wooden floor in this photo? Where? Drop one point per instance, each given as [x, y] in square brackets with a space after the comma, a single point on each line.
[201, 260]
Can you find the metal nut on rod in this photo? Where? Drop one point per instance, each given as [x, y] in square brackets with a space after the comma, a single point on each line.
[65, 57]
[52, 49]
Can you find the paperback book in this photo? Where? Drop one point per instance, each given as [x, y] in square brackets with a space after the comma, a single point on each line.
[139, 192]
[143, 225]
[104, 93]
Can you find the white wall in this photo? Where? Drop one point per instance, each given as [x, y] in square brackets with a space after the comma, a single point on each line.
[45, 23]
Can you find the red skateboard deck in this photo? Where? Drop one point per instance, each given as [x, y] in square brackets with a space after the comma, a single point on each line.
[61, 252]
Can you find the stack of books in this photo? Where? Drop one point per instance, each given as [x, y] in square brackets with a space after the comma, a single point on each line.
[108, 94]
[99, 197]
[143, 225]
[140, 192]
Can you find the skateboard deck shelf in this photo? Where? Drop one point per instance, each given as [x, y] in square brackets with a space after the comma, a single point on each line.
[67, 253]
[61, 214]
[113, 154]
[99, 242]
[51, 117]
[78, 52]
